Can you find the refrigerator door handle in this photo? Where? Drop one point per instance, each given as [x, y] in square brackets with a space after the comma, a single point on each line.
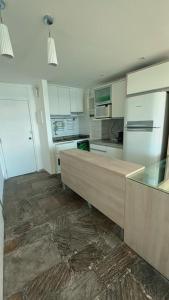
[146, 129]
[137, 124]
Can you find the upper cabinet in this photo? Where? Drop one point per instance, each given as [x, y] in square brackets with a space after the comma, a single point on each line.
[59, 101]
[118, 98]
[76, 100]
[112, 93]
[148, 79]
[65, 100]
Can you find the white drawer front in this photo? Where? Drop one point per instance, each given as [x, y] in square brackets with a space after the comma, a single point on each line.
[98, 147]
[65, 146]
[115, 153]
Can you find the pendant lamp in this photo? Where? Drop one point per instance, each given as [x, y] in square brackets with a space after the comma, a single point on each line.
[5, 42]
[52, 57]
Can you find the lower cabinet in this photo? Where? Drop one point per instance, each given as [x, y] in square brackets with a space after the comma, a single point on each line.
[98, 149]
[111, 152]
[61, 147]
[114, 152]
[147, 224]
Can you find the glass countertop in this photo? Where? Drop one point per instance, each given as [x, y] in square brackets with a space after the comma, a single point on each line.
[155, 176]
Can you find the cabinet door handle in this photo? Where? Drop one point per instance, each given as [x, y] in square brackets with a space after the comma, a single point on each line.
[98, 150]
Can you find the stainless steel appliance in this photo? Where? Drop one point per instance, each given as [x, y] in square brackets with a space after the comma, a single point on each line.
[103, 111]
[146, 128]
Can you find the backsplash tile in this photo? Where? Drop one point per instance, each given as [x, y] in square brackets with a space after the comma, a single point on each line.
[95, 129]
[64, 126]
[110, 128]
[84, 124]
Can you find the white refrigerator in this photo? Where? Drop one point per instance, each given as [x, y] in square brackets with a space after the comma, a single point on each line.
[146, 128]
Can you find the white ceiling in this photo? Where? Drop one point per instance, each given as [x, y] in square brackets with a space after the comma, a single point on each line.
[96, 40]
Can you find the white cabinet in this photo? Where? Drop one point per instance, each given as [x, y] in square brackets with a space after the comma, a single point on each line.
[61, 147]
[114, 153]
[148, 79]
[118, 98]
[53, 98]
[98, 149]
[65, 100]
[76, 100]
[114, 93]
[65, 146]
[59, 100]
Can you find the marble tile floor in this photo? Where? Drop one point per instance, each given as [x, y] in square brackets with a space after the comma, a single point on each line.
[57, 248]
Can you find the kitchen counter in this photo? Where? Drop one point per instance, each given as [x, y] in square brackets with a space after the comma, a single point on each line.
[106, 142]
[121, 167]
[70, 138]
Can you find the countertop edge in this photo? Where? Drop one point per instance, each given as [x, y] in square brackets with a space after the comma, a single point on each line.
[72, 153]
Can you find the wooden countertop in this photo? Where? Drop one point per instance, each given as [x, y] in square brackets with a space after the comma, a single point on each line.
[120, 167]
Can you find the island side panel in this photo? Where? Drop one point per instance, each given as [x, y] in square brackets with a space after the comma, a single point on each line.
[147, 224]
[101, 187]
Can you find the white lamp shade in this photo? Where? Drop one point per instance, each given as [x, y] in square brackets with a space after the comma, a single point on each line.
[5, 42]
[52, 58]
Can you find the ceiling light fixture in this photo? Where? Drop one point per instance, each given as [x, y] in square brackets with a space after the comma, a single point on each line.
[52, 57]
[5, 42]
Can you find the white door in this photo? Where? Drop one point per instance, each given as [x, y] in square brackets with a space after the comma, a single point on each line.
[16, 137]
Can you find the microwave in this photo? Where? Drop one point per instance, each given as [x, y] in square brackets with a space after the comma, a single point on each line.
[103, 111]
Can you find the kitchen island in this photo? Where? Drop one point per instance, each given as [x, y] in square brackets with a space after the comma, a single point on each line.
[99, 180]
[134, 197]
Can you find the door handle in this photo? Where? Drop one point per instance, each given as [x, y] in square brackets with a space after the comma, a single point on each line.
[30, 138]
[98, 150]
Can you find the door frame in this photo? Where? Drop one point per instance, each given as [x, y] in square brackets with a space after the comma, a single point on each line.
[26, 94]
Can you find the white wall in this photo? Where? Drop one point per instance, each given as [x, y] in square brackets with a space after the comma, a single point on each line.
[84, 119]
[44, 126]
